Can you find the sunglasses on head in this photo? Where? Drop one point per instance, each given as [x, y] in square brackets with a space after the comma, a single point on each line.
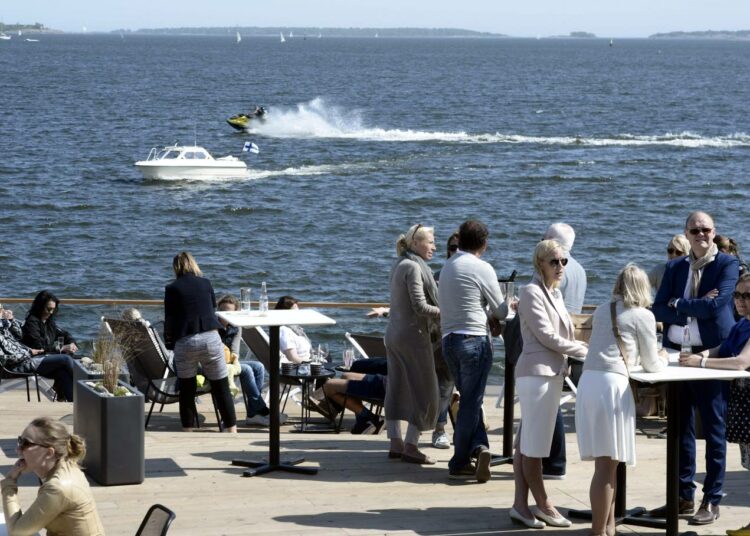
[674, 251]
[698, 230]
[741, 295]
[24, 443]
[558, 262]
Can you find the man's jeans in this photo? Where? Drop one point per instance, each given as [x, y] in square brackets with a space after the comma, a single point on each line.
[469, 358]
[252, 374]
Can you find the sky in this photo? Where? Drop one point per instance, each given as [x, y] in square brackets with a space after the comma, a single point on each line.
[530, 18]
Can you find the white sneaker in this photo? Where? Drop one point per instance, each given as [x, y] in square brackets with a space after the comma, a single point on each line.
[440, 440]
[258, 420]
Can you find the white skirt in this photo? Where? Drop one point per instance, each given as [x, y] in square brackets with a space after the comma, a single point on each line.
[540, 398]
[605, 417]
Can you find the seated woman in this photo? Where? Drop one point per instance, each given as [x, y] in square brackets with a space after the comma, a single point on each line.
[252, 373]
[293, 342]
[605, 408]
[733, 354]
[64, 504]
[40, 330]
[17, 357]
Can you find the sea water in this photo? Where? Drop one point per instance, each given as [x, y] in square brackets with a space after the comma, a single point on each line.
[364, 138]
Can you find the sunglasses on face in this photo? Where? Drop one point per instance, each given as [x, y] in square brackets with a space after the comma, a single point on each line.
[741, 295]
[674, 251]
[24, 443]
[558, 262]
[699, 230]
[49, 309]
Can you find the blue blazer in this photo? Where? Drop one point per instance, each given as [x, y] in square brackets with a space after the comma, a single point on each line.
[715, 316]
[189, 308]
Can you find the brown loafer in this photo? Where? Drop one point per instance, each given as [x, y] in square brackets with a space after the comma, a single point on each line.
[684, 507]
[706, 514]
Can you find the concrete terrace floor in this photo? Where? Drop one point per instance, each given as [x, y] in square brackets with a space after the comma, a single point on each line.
[357, 491]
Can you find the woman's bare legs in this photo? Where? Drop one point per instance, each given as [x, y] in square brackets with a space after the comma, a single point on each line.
[602, 496]
[521, 499]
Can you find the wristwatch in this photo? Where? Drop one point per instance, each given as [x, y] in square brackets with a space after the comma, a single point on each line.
[673, 303]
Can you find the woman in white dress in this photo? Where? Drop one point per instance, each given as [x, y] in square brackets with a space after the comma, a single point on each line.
[605, 409]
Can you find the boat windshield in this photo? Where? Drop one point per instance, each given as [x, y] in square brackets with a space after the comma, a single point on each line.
[190, 155]
[166, 154]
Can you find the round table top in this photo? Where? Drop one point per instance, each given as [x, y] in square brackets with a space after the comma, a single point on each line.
[324, 373]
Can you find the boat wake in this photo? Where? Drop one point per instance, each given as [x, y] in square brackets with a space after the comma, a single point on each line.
[316, 119]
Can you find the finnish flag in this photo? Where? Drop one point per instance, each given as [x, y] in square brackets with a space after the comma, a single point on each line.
[250, 146]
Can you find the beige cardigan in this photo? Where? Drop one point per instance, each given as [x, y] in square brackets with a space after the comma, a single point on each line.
[547, 331]
[64, 506]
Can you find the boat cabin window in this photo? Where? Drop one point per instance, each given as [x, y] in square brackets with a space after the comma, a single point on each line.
[194, 155]
[168, 155]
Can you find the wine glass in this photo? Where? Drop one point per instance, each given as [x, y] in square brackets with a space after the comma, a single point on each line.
[323, 352]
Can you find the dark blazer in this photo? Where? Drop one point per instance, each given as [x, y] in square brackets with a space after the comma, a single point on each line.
[715, 316]
[189, 308]
[43, 335]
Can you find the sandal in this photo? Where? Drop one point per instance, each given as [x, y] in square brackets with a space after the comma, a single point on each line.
[419, 458]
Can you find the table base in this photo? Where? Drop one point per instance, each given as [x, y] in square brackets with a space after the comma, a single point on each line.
[263, 467]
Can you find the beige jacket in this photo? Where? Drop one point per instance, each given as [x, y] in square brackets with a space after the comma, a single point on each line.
[64, 506]
[547, 331]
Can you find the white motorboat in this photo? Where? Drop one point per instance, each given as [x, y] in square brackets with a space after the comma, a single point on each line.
[4, 37]
[189, 162]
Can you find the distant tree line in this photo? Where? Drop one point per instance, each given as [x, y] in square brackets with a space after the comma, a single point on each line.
[311, 32]
[708, 34]
[37, 26]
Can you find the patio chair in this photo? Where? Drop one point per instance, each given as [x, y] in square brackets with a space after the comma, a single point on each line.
[10, 374]
[368, 346]
[257, 340]
[149, 367]
[156, 521]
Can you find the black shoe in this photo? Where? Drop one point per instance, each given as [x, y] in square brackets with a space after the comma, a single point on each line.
[706, 514]
[370, 426]
[467, 472]
[684, 507]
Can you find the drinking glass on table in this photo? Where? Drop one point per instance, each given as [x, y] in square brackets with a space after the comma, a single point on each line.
[659, 341]
[245, 303]
[59, 343]
[348, 358]
[324, 352]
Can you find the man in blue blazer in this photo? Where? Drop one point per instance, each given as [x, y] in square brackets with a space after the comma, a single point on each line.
[696, 291]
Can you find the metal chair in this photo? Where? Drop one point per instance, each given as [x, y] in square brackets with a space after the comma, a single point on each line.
[156, 521]
[10, 374]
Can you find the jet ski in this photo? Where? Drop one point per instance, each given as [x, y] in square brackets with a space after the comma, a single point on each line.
[242, 121]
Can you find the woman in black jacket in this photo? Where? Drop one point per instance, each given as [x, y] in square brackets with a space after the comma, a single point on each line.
[40, 330]
[191, 329]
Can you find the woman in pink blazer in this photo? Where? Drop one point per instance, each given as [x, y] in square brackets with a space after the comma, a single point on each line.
[548, 338]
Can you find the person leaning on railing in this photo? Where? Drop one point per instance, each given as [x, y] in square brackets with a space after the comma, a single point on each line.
[64, 505]
[733, 354]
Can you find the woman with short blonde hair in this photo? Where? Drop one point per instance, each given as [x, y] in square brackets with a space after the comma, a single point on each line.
[548, 340]
[64, 504]
[605, 409]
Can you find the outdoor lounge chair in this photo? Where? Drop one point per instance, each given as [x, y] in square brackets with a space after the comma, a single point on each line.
[149, 367]
[257, 340]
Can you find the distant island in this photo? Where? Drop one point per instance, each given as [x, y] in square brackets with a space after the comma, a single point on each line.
[302, 32]
[708, 34]
[37, 27]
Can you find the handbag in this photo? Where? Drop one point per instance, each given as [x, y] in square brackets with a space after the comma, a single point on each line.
[645, 406]
[738, 412]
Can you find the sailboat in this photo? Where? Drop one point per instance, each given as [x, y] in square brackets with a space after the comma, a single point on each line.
[377, 35]
[282, 37]
[291, 35]
[611, 42]
[320, 35]
[4, 37]
[239, 38]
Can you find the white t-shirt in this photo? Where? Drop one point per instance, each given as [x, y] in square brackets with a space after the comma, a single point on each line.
[288, 340]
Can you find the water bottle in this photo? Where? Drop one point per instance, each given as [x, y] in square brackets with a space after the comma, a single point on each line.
[263, 300]
[686, 348]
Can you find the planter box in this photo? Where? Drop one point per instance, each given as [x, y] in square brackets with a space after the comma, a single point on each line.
[82, 373]
[113, 427]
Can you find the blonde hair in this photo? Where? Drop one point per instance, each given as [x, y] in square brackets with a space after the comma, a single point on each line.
[544, 249]
[679, 241]
[633, 286]
[416, 233]
[184, 263]
[53, 434]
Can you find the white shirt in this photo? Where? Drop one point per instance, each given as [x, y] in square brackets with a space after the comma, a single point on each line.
[676, 333]
[288, 340]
